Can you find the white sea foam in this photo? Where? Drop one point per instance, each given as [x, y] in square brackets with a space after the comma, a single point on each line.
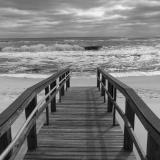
[41, 76]
[122, 61]
[82, 75]
[43, 48]
[136, 74]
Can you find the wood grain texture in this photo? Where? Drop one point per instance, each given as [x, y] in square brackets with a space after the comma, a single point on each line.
[81, 129]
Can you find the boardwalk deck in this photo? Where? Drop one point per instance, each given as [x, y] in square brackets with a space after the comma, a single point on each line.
[81, 129]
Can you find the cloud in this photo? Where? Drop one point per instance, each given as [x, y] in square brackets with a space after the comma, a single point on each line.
[152, 14]
[132, 24]
[10, 11]
[11, 24]
[92, 12]
[93, 17]
[150, 2]
[34, 22]
[119, 7]
[101, 20]
[47, 22]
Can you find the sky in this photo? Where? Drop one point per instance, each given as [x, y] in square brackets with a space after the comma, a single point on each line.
[79, 18]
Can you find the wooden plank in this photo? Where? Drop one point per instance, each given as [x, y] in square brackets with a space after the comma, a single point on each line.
[80, 130]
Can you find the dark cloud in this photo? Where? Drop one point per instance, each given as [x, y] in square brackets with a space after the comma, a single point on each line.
[27, 5]
[21, 18]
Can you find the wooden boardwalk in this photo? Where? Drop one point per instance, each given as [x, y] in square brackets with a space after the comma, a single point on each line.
[81, 129]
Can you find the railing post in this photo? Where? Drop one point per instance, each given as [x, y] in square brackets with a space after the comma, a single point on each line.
[60, 78]
[98, 83]
[62, 89]
[47, 110]
[103, 90]
[5, 140]
[153, 149]
[32, 136]
[68, 81]
[128, 143]
[110, 90]
[53, 101]
[114, 108]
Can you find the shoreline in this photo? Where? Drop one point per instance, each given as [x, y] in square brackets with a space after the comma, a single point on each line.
[82, 74]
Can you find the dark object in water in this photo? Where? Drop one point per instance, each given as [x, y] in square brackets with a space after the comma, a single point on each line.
[92, 47]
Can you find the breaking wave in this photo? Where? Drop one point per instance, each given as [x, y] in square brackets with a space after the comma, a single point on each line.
[121, 57]
[43, 48]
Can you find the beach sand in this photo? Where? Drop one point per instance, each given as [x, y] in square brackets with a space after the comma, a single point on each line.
[148, 88]
[11, 88]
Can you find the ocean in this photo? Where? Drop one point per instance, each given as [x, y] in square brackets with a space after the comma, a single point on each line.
[41, 57]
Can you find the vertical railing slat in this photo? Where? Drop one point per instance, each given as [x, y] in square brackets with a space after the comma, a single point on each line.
[114, 108]
[110, 90]
[5, 139]
[68, 81]
[60, 78]
[103, 92]
[53, 101]
[62, 89]
[32, 136]
[153, 149]
[47, 109]
[128, 142]
[98, 82]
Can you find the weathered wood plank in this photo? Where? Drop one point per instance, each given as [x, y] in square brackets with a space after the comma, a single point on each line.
[80, 129]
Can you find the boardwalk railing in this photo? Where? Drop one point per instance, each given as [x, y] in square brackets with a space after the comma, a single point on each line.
[134, 106]
[27, 102]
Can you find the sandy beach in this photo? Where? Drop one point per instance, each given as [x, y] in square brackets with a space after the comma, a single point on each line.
[147, 87]
[11, 88]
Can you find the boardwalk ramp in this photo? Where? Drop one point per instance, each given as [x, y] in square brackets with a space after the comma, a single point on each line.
[80, 129]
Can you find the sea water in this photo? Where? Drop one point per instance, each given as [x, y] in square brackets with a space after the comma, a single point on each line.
[42, 57]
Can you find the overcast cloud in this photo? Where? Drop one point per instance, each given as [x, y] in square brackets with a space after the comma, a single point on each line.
[49, 18]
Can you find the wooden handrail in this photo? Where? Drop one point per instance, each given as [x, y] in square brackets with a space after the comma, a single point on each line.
[28, 101]
[134, 106]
